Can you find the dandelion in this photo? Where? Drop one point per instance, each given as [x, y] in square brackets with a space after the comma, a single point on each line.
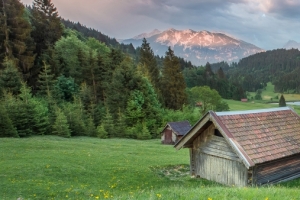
[96, 197]
[67, 196]
[209, 198]
[92, 195]
[266, 198]
[158, 195]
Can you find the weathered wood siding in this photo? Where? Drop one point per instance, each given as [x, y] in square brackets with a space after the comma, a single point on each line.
[168, 137]
[277, 171]
[213, 159]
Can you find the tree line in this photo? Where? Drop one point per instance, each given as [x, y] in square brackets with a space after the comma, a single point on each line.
[57, 80]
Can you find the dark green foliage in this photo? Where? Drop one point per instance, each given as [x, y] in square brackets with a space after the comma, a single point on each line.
[65, 88]
[46, 81]
[144, 133]
[47, 27]
[148, 61]
[61, 126]
[281, 67]
[172, 84]
[15, 40]
[101, 132]
[205, 76]
[108, 125]
[6, 126]
[10, 79]
[90, 128]
[75, 117]
[282, 102]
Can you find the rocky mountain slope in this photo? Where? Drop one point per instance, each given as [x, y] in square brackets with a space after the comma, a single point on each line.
[198, 47]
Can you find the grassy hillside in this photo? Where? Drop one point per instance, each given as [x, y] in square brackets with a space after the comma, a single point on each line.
[49, 167]
[268, 94]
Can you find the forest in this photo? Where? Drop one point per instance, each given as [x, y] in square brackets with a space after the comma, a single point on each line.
[281, 67]
[62, 78]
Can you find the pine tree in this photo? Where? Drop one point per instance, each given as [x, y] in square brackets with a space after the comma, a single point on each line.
[46, 81]
[101, 132]
[61, 126]
[76, 117]
[6, 126]
[10, 78]
[173, 84]
[90, 129]
[282, 102]
[147, 60]
[144, 134]
[108, 124]
[47, 25]
[15, 40]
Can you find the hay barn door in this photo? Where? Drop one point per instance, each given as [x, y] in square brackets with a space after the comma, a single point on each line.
[168, 137]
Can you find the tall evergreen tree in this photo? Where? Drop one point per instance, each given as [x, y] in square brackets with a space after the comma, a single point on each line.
[147, 60]
[282, 102]
[173, 84]
[61, 126]
[47, 25]
[10, 78]
[46, 81]
[6, 126]
[15, 39]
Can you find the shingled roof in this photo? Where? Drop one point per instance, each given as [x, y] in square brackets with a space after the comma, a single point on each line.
[257, 136]
[179, 128]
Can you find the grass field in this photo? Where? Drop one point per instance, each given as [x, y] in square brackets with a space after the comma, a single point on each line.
[268, 94]
[50, 167]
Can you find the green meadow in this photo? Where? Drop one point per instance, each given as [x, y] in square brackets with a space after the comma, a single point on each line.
[50, 167]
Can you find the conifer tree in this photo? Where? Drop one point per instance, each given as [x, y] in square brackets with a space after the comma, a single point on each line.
[108, 124]
[147, 60]
[144, 134]
[46, 81]
[10, 78]
[6, 126]
[47, 25]
[61, 126]
[15, 40]
[173, 84]
[76, 117]
[101, 132]
[90, 129]
[282, 102]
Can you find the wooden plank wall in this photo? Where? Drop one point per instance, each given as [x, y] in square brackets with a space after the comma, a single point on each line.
[215, 160]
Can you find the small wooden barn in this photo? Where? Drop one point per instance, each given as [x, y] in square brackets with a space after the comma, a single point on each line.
[174, 131]
[243, 148]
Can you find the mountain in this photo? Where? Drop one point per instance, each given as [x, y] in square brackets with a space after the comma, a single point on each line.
[198, 47]
[291, 44]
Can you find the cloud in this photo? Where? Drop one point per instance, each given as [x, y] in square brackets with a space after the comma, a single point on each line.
[268, 23]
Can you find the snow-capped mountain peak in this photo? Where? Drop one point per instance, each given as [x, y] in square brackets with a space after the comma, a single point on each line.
[198, 46]
[147, 35]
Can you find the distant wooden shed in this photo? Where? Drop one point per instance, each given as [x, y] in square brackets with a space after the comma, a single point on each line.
[241, 148]
[174, 131]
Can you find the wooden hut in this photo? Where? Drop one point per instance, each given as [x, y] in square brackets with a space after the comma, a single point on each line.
[243, 148]
[174, 131]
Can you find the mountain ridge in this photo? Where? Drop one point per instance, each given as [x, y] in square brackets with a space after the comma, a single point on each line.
[198, 47]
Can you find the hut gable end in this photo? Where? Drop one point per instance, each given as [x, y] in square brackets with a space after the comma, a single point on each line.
[245, 147]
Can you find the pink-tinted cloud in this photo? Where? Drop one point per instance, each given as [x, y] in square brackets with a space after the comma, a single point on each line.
[266, 23]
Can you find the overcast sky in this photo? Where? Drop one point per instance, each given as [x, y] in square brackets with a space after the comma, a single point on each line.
[268, 24]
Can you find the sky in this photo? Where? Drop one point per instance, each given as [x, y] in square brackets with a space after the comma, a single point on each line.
[268, 24]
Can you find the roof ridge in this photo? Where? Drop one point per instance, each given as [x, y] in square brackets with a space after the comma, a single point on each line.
[252, 111]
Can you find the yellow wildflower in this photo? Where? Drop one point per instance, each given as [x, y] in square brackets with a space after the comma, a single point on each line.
[158, 195]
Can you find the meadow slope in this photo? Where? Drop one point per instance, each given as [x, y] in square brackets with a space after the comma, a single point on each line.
[50, 167]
